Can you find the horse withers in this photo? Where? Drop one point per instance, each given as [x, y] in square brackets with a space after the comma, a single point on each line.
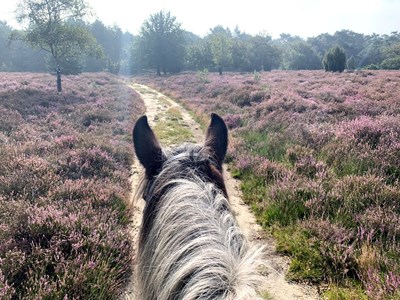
[190, 246]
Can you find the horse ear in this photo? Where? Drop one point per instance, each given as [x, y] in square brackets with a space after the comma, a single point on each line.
[217, 138]
[146, 145]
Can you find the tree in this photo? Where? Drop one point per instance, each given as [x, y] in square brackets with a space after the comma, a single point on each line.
[335, 60]
[392, 63]
[199, 55]
[241, 51]
[351, 42]
[5, 51]
[55, 27]
[301, 56]
[18, 57]
[115, 45]
[241, 55]
[127, 41]
[221, 47]
[373, 52]
[351, 63]
[265, 56]
[392, 54]
[161, 43]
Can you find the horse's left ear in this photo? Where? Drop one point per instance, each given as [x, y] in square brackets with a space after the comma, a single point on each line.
[147, 148]
[217, 138]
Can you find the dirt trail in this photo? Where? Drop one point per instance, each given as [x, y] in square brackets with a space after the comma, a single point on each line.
[275, 286]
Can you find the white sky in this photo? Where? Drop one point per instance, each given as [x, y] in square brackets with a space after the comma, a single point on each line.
[305, 18]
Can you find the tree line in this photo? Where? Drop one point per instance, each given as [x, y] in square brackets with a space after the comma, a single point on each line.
[162, 46]
[108, 50]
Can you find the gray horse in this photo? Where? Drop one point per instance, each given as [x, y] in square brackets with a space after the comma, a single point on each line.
[190, 246]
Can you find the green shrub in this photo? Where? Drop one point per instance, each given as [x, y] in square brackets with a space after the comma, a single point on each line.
[371, 67]
[335, 60]
[338, 293]
[392, 63]
[307, 262]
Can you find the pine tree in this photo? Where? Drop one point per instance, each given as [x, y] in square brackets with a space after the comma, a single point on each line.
[335, 60]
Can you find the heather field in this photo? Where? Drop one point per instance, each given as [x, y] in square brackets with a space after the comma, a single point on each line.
[65, 164]
[318, 155]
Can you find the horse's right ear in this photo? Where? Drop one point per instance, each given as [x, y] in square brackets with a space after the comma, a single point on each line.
[147, 148]
[217, 138]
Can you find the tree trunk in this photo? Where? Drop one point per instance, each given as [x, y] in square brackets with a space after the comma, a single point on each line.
[158, 71]
[59, 88]
[220, 70]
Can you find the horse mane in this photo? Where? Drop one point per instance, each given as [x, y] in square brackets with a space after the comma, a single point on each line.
[190, 246]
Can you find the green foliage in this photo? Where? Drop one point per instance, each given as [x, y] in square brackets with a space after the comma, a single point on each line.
[203, 75]
[254, 189]
[70, 64]
[392, 63]
[288, 205]
[353, 43]
[221, 47]
[351, 63]
[335, 60]
[392, 54]
[112, 53]
[272, 145]
[199, 55]
[340, 293]
[264, 55]
[377, 48]
[307, 262]
[161, 43]
[301, 56]
[18, 56]
[116, 48]
[247, 53]
[51, 27]
[241, 53]
[221, 50]
[371, 67]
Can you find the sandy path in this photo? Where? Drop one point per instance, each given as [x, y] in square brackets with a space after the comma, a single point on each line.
[275, 285]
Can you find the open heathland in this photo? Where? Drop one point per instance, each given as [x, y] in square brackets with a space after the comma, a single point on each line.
[65, 164]
[318, 155]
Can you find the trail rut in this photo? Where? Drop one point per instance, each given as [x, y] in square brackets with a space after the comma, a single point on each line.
[275, 286]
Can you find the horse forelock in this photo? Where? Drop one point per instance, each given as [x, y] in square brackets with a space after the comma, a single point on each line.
[187, 161]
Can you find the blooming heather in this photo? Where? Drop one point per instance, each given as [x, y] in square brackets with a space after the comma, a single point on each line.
[319, 157]
[64, 186]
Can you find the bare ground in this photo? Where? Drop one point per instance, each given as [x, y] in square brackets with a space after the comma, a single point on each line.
[275, 286]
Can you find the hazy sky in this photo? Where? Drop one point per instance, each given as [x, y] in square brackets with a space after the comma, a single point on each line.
[305, 18]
